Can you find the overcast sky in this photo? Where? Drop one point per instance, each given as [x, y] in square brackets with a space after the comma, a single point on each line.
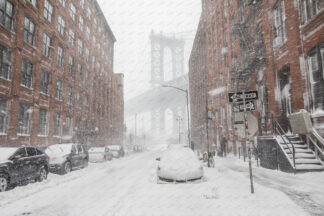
[132, 21]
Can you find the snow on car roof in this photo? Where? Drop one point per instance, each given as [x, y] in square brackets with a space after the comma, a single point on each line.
[97, 149]
[59, 148]
[6, 152]
[114, 147]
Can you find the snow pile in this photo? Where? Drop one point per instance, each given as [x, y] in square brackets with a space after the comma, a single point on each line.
[179, 163]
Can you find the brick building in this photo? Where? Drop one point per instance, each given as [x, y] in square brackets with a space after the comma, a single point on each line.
[273, 46]
[56, 60]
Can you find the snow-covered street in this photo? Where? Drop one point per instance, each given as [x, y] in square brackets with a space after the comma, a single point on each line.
[128, 186]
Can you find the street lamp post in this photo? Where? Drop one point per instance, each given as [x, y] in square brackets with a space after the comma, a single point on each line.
[187, 97]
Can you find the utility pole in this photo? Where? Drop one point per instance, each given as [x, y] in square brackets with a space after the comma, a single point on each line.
[248, 143]
[179, 119]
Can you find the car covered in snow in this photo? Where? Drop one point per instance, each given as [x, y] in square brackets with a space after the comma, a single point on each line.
[116, 150]
[67, 157]
[99, 154]
[179, 163]
[20, 165]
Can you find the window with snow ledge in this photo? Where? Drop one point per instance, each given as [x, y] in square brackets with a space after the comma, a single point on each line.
[315, 62]
[3, 116]
[57, 125]
[43, 123]
[24, 117]
[5, 63]
[27, 74]
[6, 14]
[48, 11]
[279, 24]
[310, 8]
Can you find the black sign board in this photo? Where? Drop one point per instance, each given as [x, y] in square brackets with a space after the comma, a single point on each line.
[239, 96]
[249, 105]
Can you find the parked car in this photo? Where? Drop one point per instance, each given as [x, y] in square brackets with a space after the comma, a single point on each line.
[67, 157]
[117, 150]
[179, 163]
[21, 164]
[98, 154]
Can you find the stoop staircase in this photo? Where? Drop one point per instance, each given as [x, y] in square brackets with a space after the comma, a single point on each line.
[305, 160]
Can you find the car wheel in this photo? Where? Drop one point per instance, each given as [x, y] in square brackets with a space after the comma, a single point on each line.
[42, 174]
[3, 183]
[66, 167]
[85, 163]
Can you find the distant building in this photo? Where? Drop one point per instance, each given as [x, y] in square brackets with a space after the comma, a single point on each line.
[275, 47]
[56, 60]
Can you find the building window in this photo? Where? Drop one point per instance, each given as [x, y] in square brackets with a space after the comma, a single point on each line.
[24, 117]
[71, 65]
[48, 11]
[61, 25]
[88, 33]
[80, 47]
[82, 4]
[310, 8]
[63, 3]
[45, 82]
[47, 46]
[60, 56]
[316, 72]
[87, 55]
[6, 14]
[79, 100]
[81, 23]
[27, 74]
[3, 115]
[57, 124]
[86, 103]
[279, 19]
[89, 13]
[80, 74]
[70, 96]
[72, 37]
[43, 123]
[29, 32]
[87, 78]
[33, 2]
[72, 12]
[68, 126]
[59, 90]
[5, 63]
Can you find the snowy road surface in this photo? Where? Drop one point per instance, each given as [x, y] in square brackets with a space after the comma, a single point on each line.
[128, 186]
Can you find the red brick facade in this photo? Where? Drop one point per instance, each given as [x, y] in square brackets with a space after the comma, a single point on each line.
[260, 45]
[90, 78]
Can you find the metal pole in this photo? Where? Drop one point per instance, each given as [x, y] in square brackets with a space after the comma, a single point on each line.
[248, 143]
[188, 119]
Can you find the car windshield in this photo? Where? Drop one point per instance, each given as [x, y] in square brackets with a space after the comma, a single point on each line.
[59, 149]
[5, 153]
[97, 150]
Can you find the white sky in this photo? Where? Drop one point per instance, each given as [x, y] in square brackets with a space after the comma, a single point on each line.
[132, 21]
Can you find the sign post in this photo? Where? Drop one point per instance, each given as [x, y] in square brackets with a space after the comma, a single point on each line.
[247, 98]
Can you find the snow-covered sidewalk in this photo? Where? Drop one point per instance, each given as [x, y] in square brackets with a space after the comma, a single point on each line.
[128, 186]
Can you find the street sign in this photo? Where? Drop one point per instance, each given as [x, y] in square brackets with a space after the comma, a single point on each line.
[239, 96]
[252, 122]
[240, 107]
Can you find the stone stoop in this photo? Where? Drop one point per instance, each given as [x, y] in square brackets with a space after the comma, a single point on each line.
[305, 158]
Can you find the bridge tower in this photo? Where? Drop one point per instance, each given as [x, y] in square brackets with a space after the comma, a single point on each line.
[159, 44]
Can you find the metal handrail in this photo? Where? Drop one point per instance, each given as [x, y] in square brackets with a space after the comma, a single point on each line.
[281, 133]
[318, 140]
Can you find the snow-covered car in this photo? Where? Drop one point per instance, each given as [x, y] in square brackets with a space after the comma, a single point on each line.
[67, 157]
[99, 154]
[116, 150]
[179, 163]
[21, 164]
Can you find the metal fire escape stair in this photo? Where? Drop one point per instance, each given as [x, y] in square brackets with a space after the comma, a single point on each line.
[305, 158]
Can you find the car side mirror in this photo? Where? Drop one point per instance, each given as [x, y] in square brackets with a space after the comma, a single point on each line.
[158, 159]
